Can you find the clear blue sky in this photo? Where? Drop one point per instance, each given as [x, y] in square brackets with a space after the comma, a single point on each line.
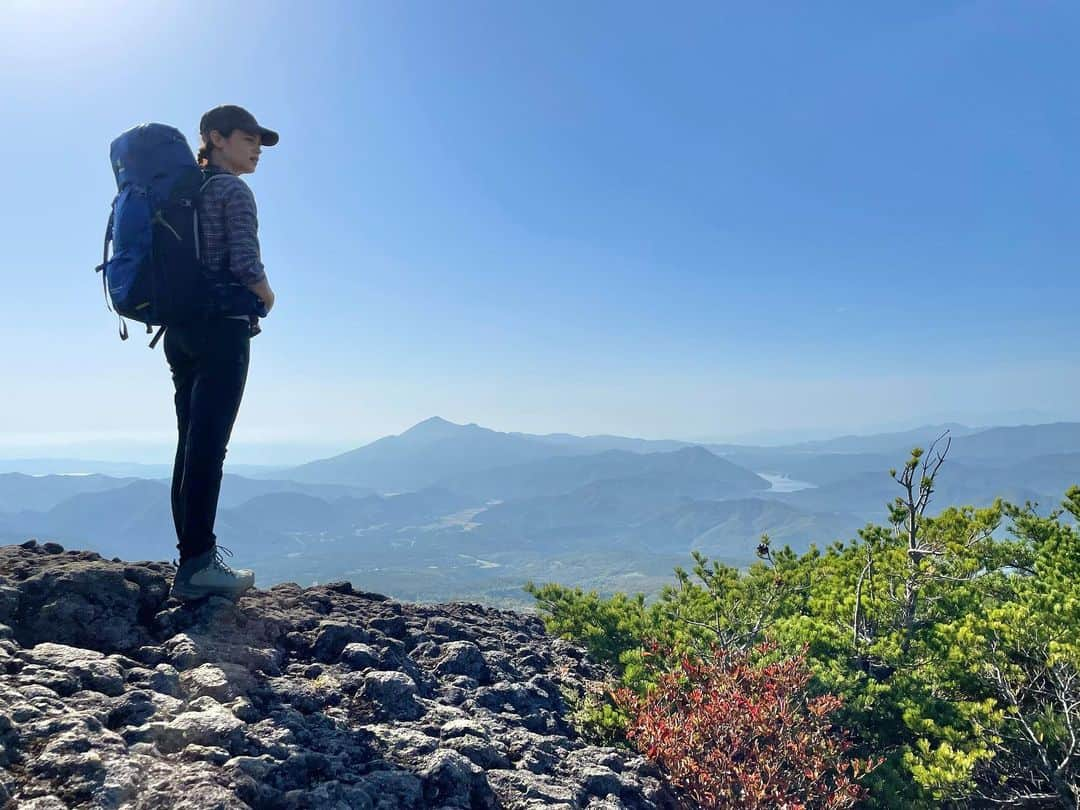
[673, 220]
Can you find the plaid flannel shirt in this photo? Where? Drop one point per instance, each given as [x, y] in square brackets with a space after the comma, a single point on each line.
[229, 225]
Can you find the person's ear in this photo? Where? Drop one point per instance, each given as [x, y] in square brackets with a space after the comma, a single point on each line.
[217, 139]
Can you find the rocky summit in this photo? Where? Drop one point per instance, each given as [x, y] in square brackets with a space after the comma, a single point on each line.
[114, 695]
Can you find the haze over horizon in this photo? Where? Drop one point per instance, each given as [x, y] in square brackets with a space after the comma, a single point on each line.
[147, 450]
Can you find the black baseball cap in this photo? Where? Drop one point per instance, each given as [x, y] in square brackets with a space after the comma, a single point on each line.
[228, 117]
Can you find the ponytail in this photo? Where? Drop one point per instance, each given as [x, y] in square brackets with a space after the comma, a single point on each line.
[207, 148]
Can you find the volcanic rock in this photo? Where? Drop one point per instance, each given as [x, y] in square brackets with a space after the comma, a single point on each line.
[113, 695]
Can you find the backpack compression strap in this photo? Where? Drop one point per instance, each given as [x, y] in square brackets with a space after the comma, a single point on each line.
[101, 269]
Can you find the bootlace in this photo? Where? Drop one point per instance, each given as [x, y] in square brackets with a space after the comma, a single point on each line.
[219, 562]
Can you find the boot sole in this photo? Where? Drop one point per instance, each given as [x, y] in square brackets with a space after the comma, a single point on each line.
[193, 594]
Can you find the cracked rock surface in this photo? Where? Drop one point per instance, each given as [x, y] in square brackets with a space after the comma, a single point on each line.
[114, 695]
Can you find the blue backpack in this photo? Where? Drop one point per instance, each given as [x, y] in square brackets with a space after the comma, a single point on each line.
[155, 274]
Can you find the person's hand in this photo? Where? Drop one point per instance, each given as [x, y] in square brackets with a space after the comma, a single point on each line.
[264, 293]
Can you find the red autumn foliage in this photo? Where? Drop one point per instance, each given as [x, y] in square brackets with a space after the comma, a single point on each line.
[733, 733]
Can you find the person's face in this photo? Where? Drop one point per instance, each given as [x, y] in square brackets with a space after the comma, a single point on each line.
[239, 153]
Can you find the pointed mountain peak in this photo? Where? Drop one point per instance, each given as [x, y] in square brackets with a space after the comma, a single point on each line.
[436, 428]
[432, 423]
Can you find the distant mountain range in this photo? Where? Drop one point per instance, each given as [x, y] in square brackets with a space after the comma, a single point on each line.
[883, 442]
[690, 471]
[711, 527]
[43, 492]
[427, 453]
[446, 509]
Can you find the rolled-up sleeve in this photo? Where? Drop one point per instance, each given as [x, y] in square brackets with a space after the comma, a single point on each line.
[242, 229]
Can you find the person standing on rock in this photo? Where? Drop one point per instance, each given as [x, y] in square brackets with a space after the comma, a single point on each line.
[209, 359]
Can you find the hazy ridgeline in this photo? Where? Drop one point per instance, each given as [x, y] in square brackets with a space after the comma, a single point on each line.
[448, 511]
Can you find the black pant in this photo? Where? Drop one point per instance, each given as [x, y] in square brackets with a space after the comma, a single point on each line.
[209, 365]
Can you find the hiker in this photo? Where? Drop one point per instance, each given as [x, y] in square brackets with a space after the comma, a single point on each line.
[208, 359]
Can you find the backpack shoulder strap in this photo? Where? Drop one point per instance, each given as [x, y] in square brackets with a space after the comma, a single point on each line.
[208, 177]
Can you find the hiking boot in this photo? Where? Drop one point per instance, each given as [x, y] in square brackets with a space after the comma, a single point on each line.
[207, 574]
